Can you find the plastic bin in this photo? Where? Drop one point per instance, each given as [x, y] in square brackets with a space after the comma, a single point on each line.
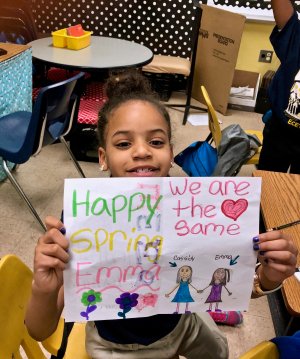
[61, 39]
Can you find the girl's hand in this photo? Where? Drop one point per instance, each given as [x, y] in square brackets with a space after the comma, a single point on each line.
[278, 255]
[51, 257]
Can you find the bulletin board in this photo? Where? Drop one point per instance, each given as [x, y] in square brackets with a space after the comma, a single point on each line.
[256, 10]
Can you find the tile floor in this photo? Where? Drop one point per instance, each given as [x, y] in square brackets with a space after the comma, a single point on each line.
[42, 179]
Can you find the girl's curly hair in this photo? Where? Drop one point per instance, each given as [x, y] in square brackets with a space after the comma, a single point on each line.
[123, 87]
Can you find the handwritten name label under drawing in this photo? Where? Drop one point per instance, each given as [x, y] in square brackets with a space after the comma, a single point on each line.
[143, 246]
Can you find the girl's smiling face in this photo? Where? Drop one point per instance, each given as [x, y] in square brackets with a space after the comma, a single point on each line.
[137, 142]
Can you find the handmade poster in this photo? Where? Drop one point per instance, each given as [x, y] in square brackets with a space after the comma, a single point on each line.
[143, 246]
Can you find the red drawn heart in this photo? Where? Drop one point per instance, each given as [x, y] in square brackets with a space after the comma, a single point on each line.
[233, 209]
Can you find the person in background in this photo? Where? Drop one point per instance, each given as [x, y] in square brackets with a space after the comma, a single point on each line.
[135, 141]
[281, 145]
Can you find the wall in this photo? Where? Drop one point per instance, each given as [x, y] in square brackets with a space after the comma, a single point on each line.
[255, 38]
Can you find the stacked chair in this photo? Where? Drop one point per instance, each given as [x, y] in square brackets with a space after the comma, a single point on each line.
[16, 22]
[17, 26]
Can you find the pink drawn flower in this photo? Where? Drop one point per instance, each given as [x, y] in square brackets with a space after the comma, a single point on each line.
[147, 300]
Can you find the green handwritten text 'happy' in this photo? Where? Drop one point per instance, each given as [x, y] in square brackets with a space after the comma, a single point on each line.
[111, 207]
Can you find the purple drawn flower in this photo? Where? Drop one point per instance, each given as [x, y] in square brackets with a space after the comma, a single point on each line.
[126, 302]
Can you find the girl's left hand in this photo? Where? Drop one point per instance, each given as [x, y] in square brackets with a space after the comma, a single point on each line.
[277, 254]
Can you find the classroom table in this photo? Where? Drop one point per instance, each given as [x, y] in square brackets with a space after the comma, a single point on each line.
[15, 83]
[15, 79]
[104, 53]
[280, 204]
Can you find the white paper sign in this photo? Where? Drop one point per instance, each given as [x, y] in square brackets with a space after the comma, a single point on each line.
[143, 246]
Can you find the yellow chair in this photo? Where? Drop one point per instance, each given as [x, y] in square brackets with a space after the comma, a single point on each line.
[15, 284]
[76, 342]
[215, 129]
[255, 159]
[264, 350]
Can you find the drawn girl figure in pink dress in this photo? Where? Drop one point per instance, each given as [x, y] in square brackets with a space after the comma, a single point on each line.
[183, 295]
[219, 280]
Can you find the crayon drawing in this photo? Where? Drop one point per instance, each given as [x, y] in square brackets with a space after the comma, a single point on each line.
[146, 247]
[184, 283]
[220, 278]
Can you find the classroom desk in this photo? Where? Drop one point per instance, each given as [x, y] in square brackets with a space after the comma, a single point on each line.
[280, 204]
[104, 53]
[15, 79]
[15, 83]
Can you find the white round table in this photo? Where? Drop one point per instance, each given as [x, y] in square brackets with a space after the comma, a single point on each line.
[102, 54]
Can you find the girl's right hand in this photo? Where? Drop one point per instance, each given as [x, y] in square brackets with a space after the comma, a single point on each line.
[51, 257]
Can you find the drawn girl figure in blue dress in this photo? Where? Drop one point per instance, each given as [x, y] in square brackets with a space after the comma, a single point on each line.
[183, 295]
[220, 278]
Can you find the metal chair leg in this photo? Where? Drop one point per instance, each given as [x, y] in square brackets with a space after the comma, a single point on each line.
[188, 105]
[79, 169]
[288, 327]
[22, 194]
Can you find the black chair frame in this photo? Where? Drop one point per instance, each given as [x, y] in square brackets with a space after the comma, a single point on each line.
[188, 105]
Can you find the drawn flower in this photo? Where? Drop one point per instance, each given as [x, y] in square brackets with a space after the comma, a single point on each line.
[89, 299]
[147, 300]
[126, 302]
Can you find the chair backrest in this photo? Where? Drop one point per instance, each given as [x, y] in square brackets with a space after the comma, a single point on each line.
[263, 350]
[9, 10]
[54, 111]
[15, 284]
[213, 121]
[14, 30]
[68, 341]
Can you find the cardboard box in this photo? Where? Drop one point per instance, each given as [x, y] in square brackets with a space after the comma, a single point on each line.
[244, 79]
[218, 46]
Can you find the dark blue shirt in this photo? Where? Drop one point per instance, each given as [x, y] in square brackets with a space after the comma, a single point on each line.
[143, 331]
[286, 43]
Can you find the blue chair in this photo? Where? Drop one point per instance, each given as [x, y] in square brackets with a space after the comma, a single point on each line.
[23, 134]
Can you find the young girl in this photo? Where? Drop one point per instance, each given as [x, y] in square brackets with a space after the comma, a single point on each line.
[135, 141]
[219, 280]
[183, 295]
